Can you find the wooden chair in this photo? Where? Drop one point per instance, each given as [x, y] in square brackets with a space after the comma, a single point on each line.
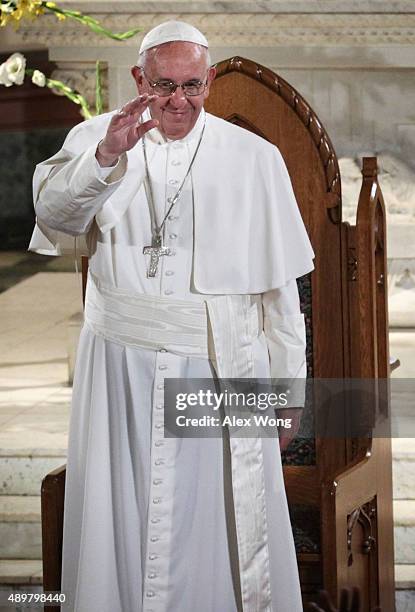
[339, 490]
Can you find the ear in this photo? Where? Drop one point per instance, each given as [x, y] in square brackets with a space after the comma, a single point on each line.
[210, 77]
[138, 77]
[211, 74]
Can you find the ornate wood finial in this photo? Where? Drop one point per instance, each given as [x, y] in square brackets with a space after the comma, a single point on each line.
[370, 167]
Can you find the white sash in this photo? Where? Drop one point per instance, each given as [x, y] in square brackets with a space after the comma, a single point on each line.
[221, 328]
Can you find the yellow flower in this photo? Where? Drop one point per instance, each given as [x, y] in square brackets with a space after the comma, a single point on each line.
[18, 9]
[4, 19]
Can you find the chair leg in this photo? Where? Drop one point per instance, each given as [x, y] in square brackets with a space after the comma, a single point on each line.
[52, 506]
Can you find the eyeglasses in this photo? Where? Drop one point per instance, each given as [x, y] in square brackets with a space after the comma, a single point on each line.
[165, 87]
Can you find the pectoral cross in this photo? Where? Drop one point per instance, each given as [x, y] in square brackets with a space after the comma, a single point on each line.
[156, 250]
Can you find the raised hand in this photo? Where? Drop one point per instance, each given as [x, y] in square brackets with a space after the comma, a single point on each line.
[125, 130]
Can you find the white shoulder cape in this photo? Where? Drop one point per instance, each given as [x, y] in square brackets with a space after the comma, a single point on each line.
[249, 234]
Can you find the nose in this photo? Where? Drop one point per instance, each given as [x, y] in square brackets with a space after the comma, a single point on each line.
[178, 99]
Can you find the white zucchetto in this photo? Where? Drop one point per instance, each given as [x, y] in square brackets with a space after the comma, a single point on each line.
[171, 31]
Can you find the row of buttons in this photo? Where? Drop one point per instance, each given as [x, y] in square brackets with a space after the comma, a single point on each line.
[172, 252]
[174, 181]
[156, 481]
[159, 493]
[160, 485]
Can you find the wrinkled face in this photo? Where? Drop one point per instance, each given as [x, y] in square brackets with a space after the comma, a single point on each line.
[179, 62]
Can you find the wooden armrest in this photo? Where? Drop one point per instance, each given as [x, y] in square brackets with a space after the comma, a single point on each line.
[394, 363]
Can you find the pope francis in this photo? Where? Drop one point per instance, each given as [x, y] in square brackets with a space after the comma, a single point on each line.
[195, 242]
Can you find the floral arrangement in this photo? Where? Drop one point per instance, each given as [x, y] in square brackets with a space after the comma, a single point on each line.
[13, 11]
[13, 72]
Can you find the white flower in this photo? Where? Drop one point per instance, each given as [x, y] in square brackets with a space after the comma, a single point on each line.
[38, 78]
[4, 79]
[12, 70]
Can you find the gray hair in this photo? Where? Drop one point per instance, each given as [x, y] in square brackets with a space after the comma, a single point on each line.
[143, 57]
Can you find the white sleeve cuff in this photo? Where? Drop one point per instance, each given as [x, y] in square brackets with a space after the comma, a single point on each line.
[112, 174]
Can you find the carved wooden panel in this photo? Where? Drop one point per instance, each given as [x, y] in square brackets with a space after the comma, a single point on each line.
[362, 537]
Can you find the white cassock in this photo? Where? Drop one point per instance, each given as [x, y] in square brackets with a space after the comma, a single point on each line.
[149, 523]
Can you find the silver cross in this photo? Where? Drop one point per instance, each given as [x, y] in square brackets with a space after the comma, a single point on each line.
[156, 250]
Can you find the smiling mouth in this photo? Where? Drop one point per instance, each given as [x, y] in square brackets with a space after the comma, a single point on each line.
[177, 117]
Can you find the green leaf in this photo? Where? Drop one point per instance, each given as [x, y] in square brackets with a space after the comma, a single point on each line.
[92, 23]
[72, 95]
[98, 89]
